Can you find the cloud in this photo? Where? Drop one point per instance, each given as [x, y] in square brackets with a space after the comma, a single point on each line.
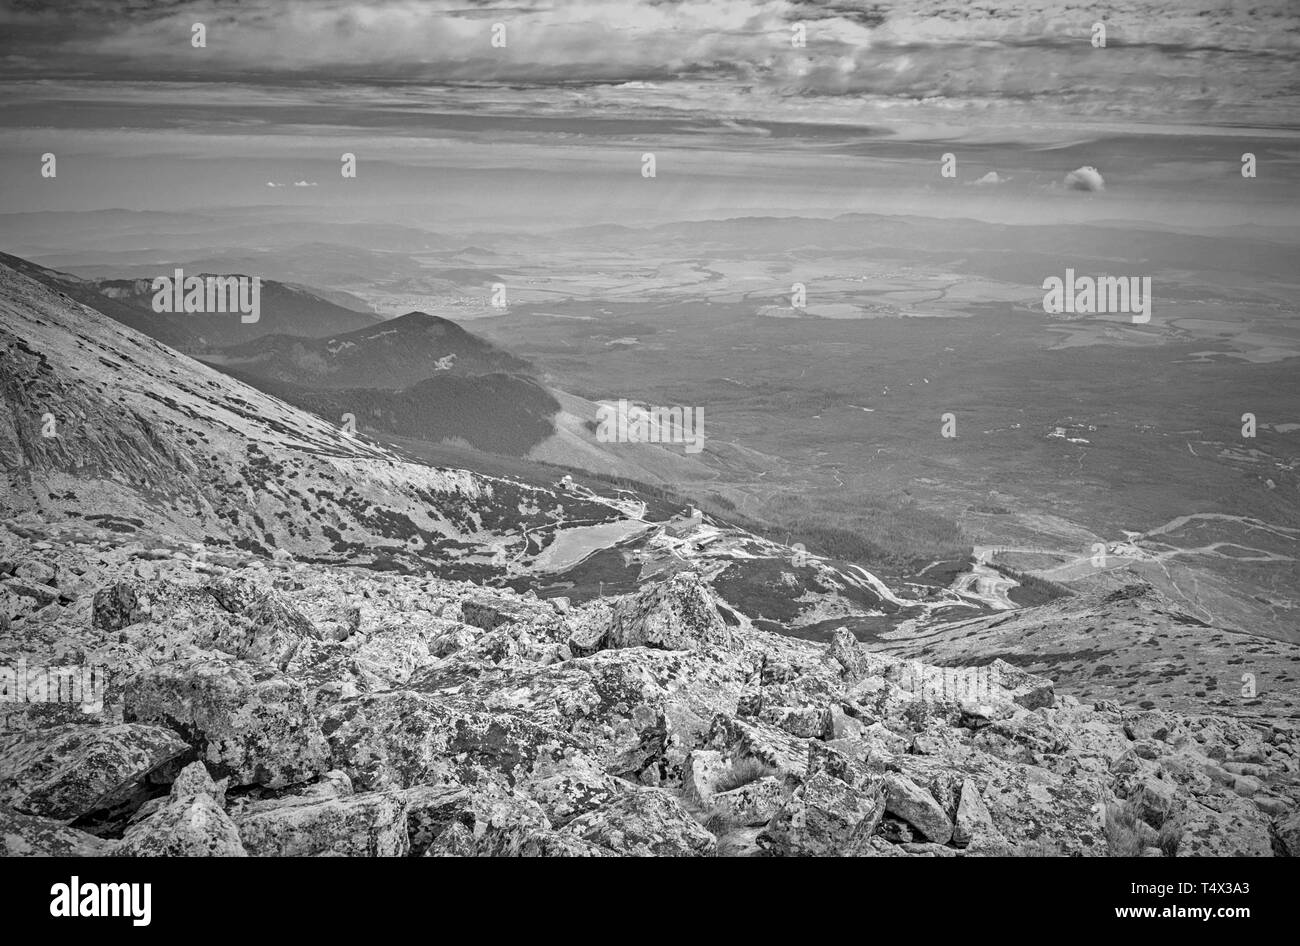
[990, 178]
[304, 183]
[273, 184]
[1086, 178]
[865, 63]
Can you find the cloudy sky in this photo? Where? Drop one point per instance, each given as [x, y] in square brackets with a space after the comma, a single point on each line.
[554, 123]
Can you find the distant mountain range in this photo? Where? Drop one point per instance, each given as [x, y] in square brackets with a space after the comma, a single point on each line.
[392, 355]
[286, 309]
[418, 376]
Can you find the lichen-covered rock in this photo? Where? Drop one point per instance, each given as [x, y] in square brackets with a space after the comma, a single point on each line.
[402, 738]
[1233, 827]
[824, 817]
[116, 606]
[572, 787]
[679, 614]
[974, 826]
[66, 771]
[257, 623]
[372, 824]
[31, 836]
[740, 739]
[644, 822]
[246, 722]
[1288, 835]
[488, 821]
[489, 613]
[705, 770]
[753, 803]
[192, 823]
[906, 800]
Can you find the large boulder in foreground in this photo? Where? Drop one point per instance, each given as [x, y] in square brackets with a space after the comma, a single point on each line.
[247, 722]
[824, 817]
[367, 825]
[644, 822]
[906, 800]
[192, 823]
[402, 738]
[486, 821]
[66, 771]
[1234, 827]
[679, 614]
[30, 836]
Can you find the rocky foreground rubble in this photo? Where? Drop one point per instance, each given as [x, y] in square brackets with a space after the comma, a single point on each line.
[308, 710]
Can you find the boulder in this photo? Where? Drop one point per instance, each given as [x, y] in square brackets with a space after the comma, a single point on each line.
[906, 800]
[66, 771]
[371, 824]
[572, 788]
[753, 803]
[644, 822]
[249, 723]
[116, 606]
[1235, 828]
[741, 739]
[974, 826]
[401, 738]
[824, 817]
[31, 836]
[258, 624]
[192, 823]
[679, 614]
[489, 821]
[1288, 835]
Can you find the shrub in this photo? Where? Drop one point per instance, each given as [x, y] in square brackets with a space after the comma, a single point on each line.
[1121, 831]
[1038, 847]
[743, 772]
[1170, 836]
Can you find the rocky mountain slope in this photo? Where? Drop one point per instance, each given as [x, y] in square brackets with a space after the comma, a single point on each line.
[294, 709]
[152, 440]
[1133, 645]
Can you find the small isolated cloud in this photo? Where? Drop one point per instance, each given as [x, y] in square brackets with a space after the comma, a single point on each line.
[990, 178]
[1086, 178]
[273, 184]
[304, 183]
